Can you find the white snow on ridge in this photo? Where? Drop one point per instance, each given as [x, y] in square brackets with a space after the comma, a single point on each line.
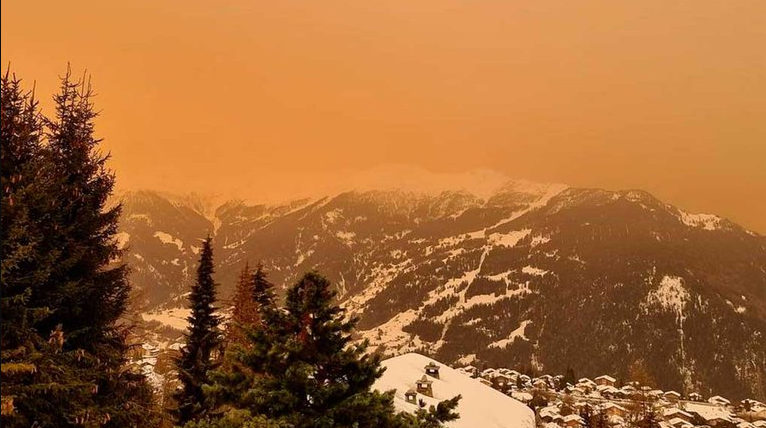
[167, 238]
[704, 221]
[480, 406]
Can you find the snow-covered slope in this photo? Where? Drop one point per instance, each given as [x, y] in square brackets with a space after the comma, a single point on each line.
[512, 274]
[480, 407]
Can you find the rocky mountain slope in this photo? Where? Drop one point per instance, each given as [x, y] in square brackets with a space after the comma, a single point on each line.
[529, 275]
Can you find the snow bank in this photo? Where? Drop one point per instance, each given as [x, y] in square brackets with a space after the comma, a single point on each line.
[480, 407]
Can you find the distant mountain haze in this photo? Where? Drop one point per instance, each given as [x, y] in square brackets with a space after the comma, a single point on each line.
[542, 276]
[268, 95]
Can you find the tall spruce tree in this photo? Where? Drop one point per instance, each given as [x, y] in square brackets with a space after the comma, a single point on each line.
[21, 158]
[263, 290]
[244, 311]
[302, 370]
[65, 293]
[203, 341]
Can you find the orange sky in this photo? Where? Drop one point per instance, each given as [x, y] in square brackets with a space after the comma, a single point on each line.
[261, 97]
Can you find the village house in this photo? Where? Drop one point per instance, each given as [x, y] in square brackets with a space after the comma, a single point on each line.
[573, 421]
[674, 412]
[607, 391]
[540, 384]
[680, 423]
[605, 380]
[411, 396]
[613, 409]
[501, 382]
[695, 396]
[424, 387]
[432, 370]
[719, 401]
[672, 396]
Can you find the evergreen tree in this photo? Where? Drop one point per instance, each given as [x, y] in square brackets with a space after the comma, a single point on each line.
[203, 341]
[244, 311]
[263, 290]
[62, 288]
[21, 156]
[569, 377]
[303, 370]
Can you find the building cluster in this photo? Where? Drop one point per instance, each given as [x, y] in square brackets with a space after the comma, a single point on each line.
[558, 403]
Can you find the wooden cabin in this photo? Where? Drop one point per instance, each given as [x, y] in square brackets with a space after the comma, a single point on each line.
[424, 386]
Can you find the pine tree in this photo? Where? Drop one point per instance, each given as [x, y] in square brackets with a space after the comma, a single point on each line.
[245, 309]
[569, 377]
[21, 157]
[263, 290]
[303, 370]
[203, 341]
[66, 291]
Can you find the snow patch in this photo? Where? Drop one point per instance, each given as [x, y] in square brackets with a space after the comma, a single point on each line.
[671, 296]
[518, 333]
[122, 239]
[704, 221]
[509, 239]
[167, 238]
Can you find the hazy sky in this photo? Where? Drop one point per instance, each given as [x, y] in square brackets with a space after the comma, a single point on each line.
[265, 96]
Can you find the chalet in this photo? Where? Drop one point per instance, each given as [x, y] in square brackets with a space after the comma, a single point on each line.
[432, 369]
[424, 386]
[605, 380]
[695, 396]
[469, 370]
[752, 405]
[488, 373]
[501, 382]
[680, 423]
[629, 389]
[612, 409]
[550, 414]
[718, 401]
[540, 384]
[607, 391]
[672, 396]
[524, 397]
[674, 412]
[573, 421]
[411, 396]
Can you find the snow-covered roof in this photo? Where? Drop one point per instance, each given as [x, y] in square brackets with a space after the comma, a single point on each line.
[572, 417]
[610, 405]
[606, 378]
[668, 411]
[708, 412]
[481, 406]
[718, 399]
[678, 422]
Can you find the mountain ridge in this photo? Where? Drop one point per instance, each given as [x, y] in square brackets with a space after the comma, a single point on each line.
[520, 278]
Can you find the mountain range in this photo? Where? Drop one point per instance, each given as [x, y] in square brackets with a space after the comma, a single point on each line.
[540, 277]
